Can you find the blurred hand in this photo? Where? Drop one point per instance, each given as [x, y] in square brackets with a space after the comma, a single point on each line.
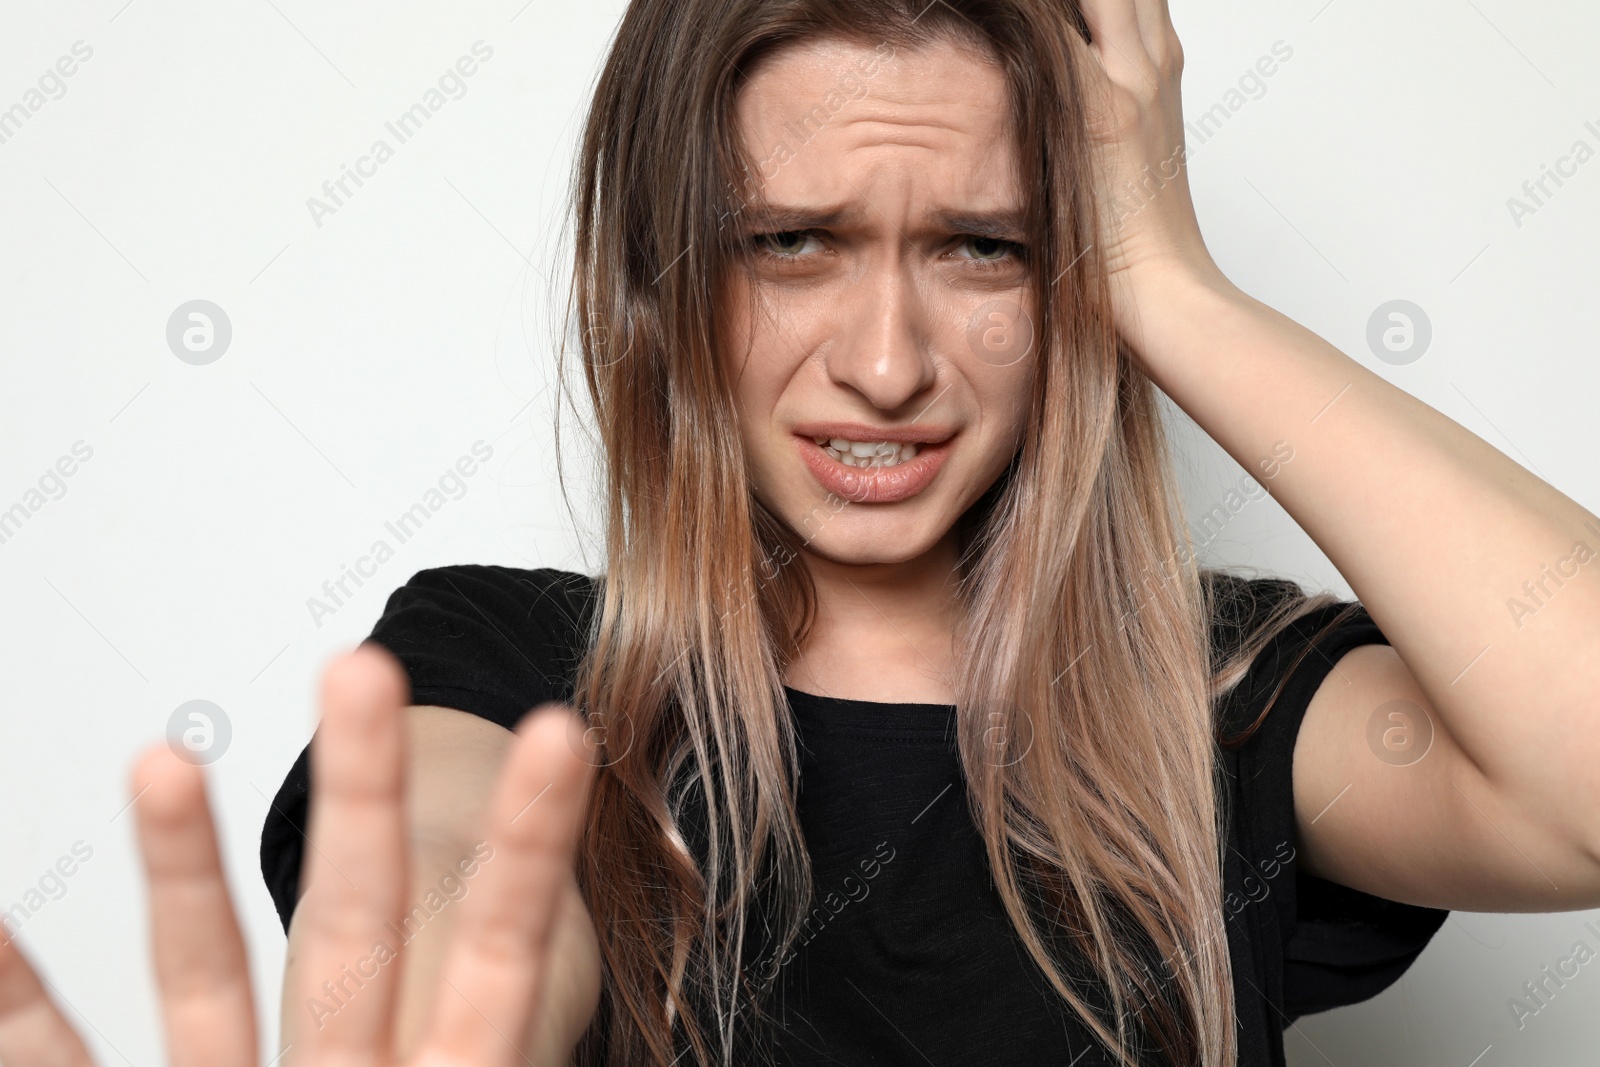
[499, 960]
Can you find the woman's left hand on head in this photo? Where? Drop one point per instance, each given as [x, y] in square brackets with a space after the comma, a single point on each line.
[1131, 73]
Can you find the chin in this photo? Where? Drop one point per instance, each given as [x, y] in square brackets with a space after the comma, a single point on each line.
[867, 545]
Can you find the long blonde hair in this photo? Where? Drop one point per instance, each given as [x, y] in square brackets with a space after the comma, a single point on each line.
[1088, 736]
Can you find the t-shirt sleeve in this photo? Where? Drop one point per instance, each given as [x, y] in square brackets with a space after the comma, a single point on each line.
[493, 641]
[1339, 945]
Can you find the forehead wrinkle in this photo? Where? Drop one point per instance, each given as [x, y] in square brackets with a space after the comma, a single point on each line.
[933, 128]
[960, 140]
[972, 184]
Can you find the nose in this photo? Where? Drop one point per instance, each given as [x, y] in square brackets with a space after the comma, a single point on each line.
[882, 346]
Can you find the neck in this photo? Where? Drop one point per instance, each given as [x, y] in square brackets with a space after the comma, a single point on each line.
[883, 630]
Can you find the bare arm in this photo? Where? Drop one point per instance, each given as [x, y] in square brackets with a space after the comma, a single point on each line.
[1449, 544]
[453, 759]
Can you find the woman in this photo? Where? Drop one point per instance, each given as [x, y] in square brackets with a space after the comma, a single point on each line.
[912, 731]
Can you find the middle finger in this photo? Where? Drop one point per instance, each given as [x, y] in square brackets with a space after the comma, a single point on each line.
[356, 861]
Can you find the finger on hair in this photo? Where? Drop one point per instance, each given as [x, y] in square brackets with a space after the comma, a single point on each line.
[1119, 38]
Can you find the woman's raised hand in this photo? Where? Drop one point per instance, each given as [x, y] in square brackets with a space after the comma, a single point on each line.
[1131, 76]
[512, 936]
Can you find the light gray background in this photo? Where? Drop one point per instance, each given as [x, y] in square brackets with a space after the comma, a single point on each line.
[372, 351]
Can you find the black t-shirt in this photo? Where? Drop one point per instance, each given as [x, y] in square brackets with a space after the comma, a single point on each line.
[908, 957]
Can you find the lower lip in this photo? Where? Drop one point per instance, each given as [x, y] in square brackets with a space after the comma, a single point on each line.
[874, 485]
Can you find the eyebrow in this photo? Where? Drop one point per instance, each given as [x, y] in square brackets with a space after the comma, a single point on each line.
[778, 218]
[1005, 224]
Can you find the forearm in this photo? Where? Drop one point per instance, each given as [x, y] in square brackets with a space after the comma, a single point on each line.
[453, 760]
[418, 945]
[1475, 569]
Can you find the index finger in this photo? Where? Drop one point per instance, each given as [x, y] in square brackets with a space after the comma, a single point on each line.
[498, 962]
[198, 951]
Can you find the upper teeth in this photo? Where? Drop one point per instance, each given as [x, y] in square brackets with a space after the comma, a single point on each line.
[868, 453]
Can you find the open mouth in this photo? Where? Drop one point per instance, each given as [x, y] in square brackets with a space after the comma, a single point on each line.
[876, 473]
[868, 455]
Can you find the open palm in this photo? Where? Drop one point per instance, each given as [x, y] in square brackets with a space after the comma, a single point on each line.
[495, 968]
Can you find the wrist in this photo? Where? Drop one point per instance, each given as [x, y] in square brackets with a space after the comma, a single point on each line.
[1161, 300]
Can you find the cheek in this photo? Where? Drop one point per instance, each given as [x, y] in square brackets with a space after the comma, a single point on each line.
[998, 332]
[754, 378]
[739, 346]
[763, 344]
[1005, 398]
[732, 327]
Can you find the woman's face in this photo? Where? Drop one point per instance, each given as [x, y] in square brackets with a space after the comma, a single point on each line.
[889, 293]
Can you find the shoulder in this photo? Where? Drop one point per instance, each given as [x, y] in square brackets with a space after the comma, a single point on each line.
[512, 592]
[1271, 644]
[489, 639]
[1315, 944]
